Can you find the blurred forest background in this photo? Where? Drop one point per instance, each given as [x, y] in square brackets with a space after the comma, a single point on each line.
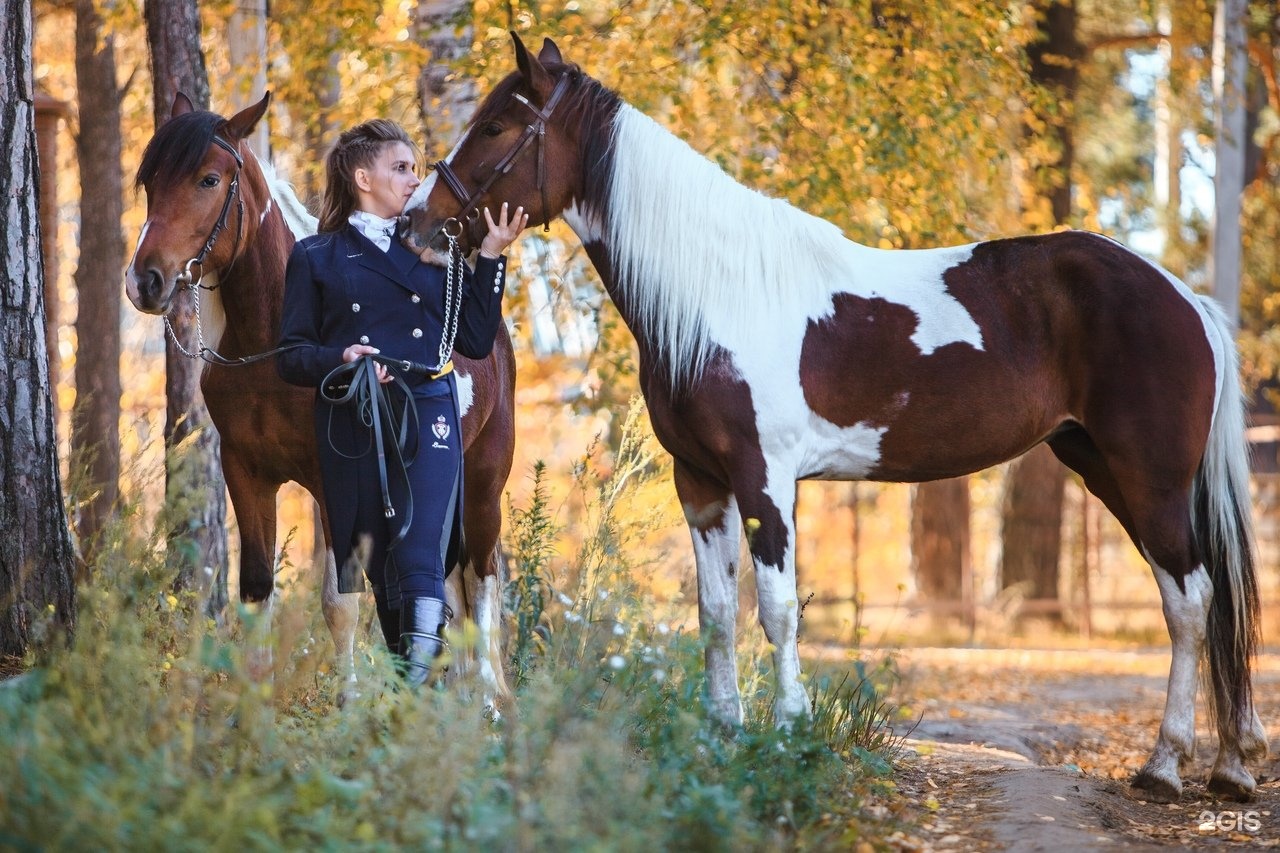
[907, 124]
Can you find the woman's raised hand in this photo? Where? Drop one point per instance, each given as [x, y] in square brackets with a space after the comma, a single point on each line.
[503, 232]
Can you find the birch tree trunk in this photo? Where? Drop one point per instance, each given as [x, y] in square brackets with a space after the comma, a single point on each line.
[194, 489]
[247, 45]
[448, 99]
[37, 581]
[1229, 67]
[95, 421]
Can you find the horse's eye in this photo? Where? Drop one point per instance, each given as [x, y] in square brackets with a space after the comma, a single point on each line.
[209, 181]
[491, 129]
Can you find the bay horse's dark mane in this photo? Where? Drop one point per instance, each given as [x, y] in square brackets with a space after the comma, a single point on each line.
[589, 105]
[177, 148]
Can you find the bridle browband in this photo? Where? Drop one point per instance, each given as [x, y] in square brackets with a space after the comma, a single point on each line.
[535, 130]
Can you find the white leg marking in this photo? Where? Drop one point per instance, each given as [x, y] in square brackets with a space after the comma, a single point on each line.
[779, 611]
[1186, 615]
[259, 657]
[341, 614]
[488, 604]
[717, 552]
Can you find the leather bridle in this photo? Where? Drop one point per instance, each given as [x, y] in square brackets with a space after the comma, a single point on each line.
[186, 278]
[535, 130]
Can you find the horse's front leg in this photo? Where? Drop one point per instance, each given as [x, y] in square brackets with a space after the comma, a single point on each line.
[769, 521]
[341, 615]
[254, 501]
[714, 523]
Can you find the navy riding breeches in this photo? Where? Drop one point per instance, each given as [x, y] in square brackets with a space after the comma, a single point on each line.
[416, 566]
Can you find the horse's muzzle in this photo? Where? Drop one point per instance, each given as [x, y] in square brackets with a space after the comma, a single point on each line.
[153, 292]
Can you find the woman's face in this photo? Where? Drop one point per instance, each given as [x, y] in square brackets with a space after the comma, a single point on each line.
[385, 186]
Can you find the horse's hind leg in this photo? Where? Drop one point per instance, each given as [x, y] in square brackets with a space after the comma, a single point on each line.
[341, 615]
[1158, 521]
[715, 525]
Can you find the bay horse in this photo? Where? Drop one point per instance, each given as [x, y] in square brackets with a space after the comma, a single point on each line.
[774, 349]
[205, 188]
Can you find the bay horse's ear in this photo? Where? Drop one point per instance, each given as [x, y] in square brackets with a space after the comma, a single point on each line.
[242, 123]
[530, 68]
[549, 53]
[181, 104]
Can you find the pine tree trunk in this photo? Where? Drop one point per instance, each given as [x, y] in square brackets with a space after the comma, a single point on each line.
[940, 539]
[194, 487]
[95, 422]
[1032, 523]
[1031, 517]
[37, 581]
[447, 98]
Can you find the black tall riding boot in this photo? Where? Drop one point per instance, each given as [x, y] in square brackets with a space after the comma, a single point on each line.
[422, 622]
[389, 621]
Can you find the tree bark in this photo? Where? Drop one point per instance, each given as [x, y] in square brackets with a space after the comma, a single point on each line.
[1031, 523]
[940, 539]
[49, 114]
[95, 421]
[1031, 515]
[194, 489]
[447, 98]
[1229, 66]
[37, 560]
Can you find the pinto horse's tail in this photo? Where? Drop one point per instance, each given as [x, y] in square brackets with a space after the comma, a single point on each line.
[1220, 517]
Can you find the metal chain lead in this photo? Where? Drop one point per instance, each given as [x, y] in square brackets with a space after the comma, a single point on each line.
[194, 287]
[452, 301]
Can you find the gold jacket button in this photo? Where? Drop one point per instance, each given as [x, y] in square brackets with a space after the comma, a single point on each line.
[417, 333]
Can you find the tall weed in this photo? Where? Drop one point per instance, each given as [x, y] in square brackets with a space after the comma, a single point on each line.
[149, 731]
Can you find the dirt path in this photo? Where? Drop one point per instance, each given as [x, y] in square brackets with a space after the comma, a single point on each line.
[1033, 750]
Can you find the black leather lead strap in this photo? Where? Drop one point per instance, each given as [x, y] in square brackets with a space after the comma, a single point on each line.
[356, 384]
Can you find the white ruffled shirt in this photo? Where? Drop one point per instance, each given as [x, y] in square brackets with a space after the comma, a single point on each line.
[378, 230]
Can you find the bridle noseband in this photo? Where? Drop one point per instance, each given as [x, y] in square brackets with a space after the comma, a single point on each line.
[535, 130]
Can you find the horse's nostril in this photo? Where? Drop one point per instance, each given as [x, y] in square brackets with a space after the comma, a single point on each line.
[153, 285]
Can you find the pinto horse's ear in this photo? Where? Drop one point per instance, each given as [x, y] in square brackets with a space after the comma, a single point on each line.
[549, 53]
[530, 68]
[242, 123]
[181, 104]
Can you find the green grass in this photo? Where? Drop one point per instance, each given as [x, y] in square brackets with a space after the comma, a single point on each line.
[148, 733]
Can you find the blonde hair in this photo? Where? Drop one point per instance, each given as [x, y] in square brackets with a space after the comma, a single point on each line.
[356, 148]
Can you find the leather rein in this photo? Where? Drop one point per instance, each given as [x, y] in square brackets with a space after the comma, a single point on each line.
[536, 130]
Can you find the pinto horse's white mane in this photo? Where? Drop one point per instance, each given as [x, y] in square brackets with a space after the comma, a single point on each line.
[296, 215]
[690, 244]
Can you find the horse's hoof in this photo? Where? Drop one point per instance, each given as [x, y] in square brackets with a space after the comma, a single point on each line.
[1235, 790]
[1149, 787]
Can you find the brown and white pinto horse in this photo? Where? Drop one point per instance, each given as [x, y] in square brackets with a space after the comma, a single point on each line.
[778, 350]
[199, 175]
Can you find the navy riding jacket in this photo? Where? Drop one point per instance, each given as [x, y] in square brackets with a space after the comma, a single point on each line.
[341, 289]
